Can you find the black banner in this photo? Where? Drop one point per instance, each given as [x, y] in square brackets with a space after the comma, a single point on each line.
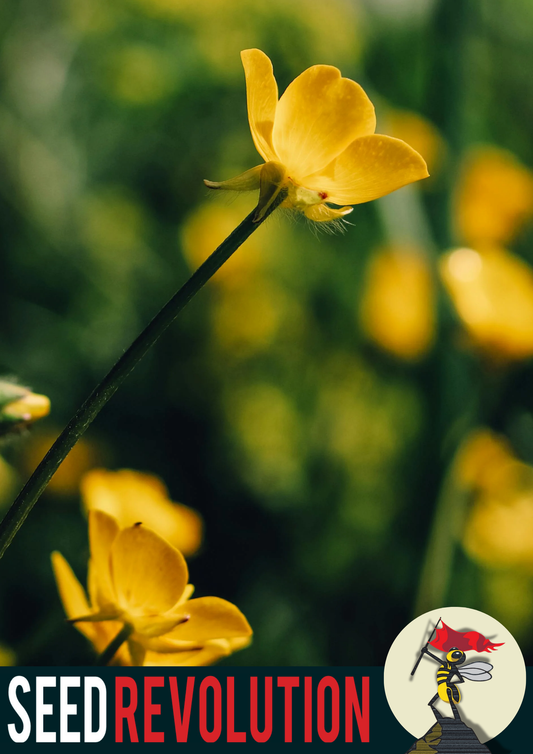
[224, 706]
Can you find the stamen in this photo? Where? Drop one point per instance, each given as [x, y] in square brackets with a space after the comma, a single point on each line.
[323, 195]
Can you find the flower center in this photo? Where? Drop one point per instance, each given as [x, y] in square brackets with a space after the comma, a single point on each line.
[301, 197]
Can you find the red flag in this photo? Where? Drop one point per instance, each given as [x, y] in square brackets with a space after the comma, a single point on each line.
[447, 638]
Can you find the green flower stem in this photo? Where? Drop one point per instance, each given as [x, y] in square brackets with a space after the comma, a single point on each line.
[90, 409]
[113, 647]
[448, 523]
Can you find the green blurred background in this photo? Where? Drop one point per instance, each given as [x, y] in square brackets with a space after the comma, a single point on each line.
[315, 455]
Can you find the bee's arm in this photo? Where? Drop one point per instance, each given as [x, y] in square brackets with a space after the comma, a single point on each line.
[426, 651]
[459, 676]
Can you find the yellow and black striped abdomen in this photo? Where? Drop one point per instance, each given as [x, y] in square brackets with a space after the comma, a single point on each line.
[443, 675]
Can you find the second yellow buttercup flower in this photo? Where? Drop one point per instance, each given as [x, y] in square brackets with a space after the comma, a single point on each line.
[138, 581]
[318, 143]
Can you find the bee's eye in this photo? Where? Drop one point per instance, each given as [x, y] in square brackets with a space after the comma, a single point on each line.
[456, 655]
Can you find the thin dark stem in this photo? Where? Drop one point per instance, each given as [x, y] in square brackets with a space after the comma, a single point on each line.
[86, 414]
[113, 647]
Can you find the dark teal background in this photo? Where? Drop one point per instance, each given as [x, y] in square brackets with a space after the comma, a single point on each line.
[386, 735]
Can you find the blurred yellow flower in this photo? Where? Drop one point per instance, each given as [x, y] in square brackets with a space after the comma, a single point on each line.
[206, 228]
[130, 496]
[485, 461]
[7, 657]
[492, 291]
[421, 134]
[318, 143]
[19, 407]
[137, 581]
[499, 526]
[499, 531]
[398, 304]
[8, 480]
[85, 455]
[494, 197]
[248, 320]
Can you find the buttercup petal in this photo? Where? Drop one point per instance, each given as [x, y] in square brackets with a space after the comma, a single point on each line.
[210, 618]
[149, 574]
[370, 167]
[75, 605]
[103, 530]
[70, 590]
[206, 655]
[317, 117]
[262, 98]
[155, 625]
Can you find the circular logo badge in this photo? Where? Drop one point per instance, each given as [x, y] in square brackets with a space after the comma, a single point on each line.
[457, 668]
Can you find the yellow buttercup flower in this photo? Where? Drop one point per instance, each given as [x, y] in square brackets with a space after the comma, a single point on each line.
[398, 305]
[86, 454]
[138, 581]
[494, 197]
[130, 496]
[318, 143]
[7, 657]
[421, 134]
[499, 526]
[485, 462]
[492, 291]
[19, 407]
[206, 228]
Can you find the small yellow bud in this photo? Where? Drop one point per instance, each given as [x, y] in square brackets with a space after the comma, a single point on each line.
[19, 406]
[29, 408]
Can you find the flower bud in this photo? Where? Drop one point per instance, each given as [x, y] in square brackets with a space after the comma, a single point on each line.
[20, 407]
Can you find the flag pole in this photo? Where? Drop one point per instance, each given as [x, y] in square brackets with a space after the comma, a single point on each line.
[423, 648]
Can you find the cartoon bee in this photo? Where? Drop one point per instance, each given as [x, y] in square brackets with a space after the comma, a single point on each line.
[448, 691]
[448, 674]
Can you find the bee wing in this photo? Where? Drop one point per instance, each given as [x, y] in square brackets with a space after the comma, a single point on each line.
[477, 671]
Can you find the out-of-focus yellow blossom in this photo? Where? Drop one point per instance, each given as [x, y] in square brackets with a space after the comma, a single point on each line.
[492, 291]
[250, 319]
[7, 657]
[7, 482]
[130, 496]
[206, 228]
[137, 580]
[398, 305]
[66, 481]
[494, 197]
[499, 531]
[499, 526]
[19, 407]
[421, 134]
[485, 462]
[318, 143]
